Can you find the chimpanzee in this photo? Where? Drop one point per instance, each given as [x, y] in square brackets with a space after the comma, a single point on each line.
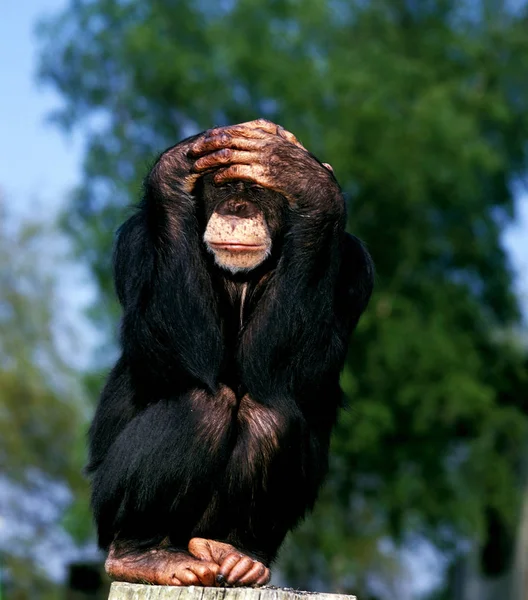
[239, 289]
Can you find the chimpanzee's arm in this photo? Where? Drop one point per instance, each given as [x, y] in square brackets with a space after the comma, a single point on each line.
[170, 328]
[298, 335]
[321, 287]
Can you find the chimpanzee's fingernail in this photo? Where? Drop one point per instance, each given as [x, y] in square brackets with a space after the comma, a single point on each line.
[220, 578]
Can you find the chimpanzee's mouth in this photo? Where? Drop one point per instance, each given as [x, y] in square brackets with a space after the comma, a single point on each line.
[237, 247]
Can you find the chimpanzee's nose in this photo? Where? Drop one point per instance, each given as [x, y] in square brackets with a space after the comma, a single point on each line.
[235, 207]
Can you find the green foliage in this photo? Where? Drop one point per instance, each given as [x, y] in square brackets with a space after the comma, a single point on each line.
[37, 423]
[421, 109]
[41, 410]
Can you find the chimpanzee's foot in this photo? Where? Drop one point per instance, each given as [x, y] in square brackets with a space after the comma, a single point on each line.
[236, 568]
[161, 567]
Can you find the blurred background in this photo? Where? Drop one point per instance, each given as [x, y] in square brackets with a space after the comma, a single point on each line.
[421, 106]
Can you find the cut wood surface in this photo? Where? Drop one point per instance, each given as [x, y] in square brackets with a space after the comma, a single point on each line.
[130, 591]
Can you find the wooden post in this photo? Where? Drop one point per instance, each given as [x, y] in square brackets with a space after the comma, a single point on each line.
[132, 591]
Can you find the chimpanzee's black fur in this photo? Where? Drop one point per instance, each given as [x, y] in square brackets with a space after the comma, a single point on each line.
[215, 422]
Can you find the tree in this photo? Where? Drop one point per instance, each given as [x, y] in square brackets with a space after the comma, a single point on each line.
[41, 413]
[420, 108]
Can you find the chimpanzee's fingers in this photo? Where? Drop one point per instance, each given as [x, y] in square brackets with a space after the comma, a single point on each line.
[248, 127]
[273, 128]
[243, 565]
[264, 124]
[225, 157]
[224, 140]
[254, 129]
[254, 172]
[263, 579]
[257, 571]
[207, 573]
[229, 562]
[247, 130]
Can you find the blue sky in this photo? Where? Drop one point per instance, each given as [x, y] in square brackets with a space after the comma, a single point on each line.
[36, 160]
[39, 163]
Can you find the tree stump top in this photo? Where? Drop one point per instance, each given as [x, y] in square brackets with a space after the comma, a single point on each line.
[130, 591]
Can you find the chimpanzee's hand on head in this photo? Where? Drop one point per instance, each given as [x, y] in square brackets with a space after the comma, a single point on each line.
[263, 153]
[270, 127]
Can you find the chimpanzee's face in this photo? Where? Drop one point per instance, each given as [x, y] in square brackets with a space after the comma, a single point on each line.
[237, 232]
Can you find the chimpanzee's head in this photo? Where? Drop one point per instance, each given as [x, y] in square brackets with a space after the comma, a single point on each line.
[243, 222]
